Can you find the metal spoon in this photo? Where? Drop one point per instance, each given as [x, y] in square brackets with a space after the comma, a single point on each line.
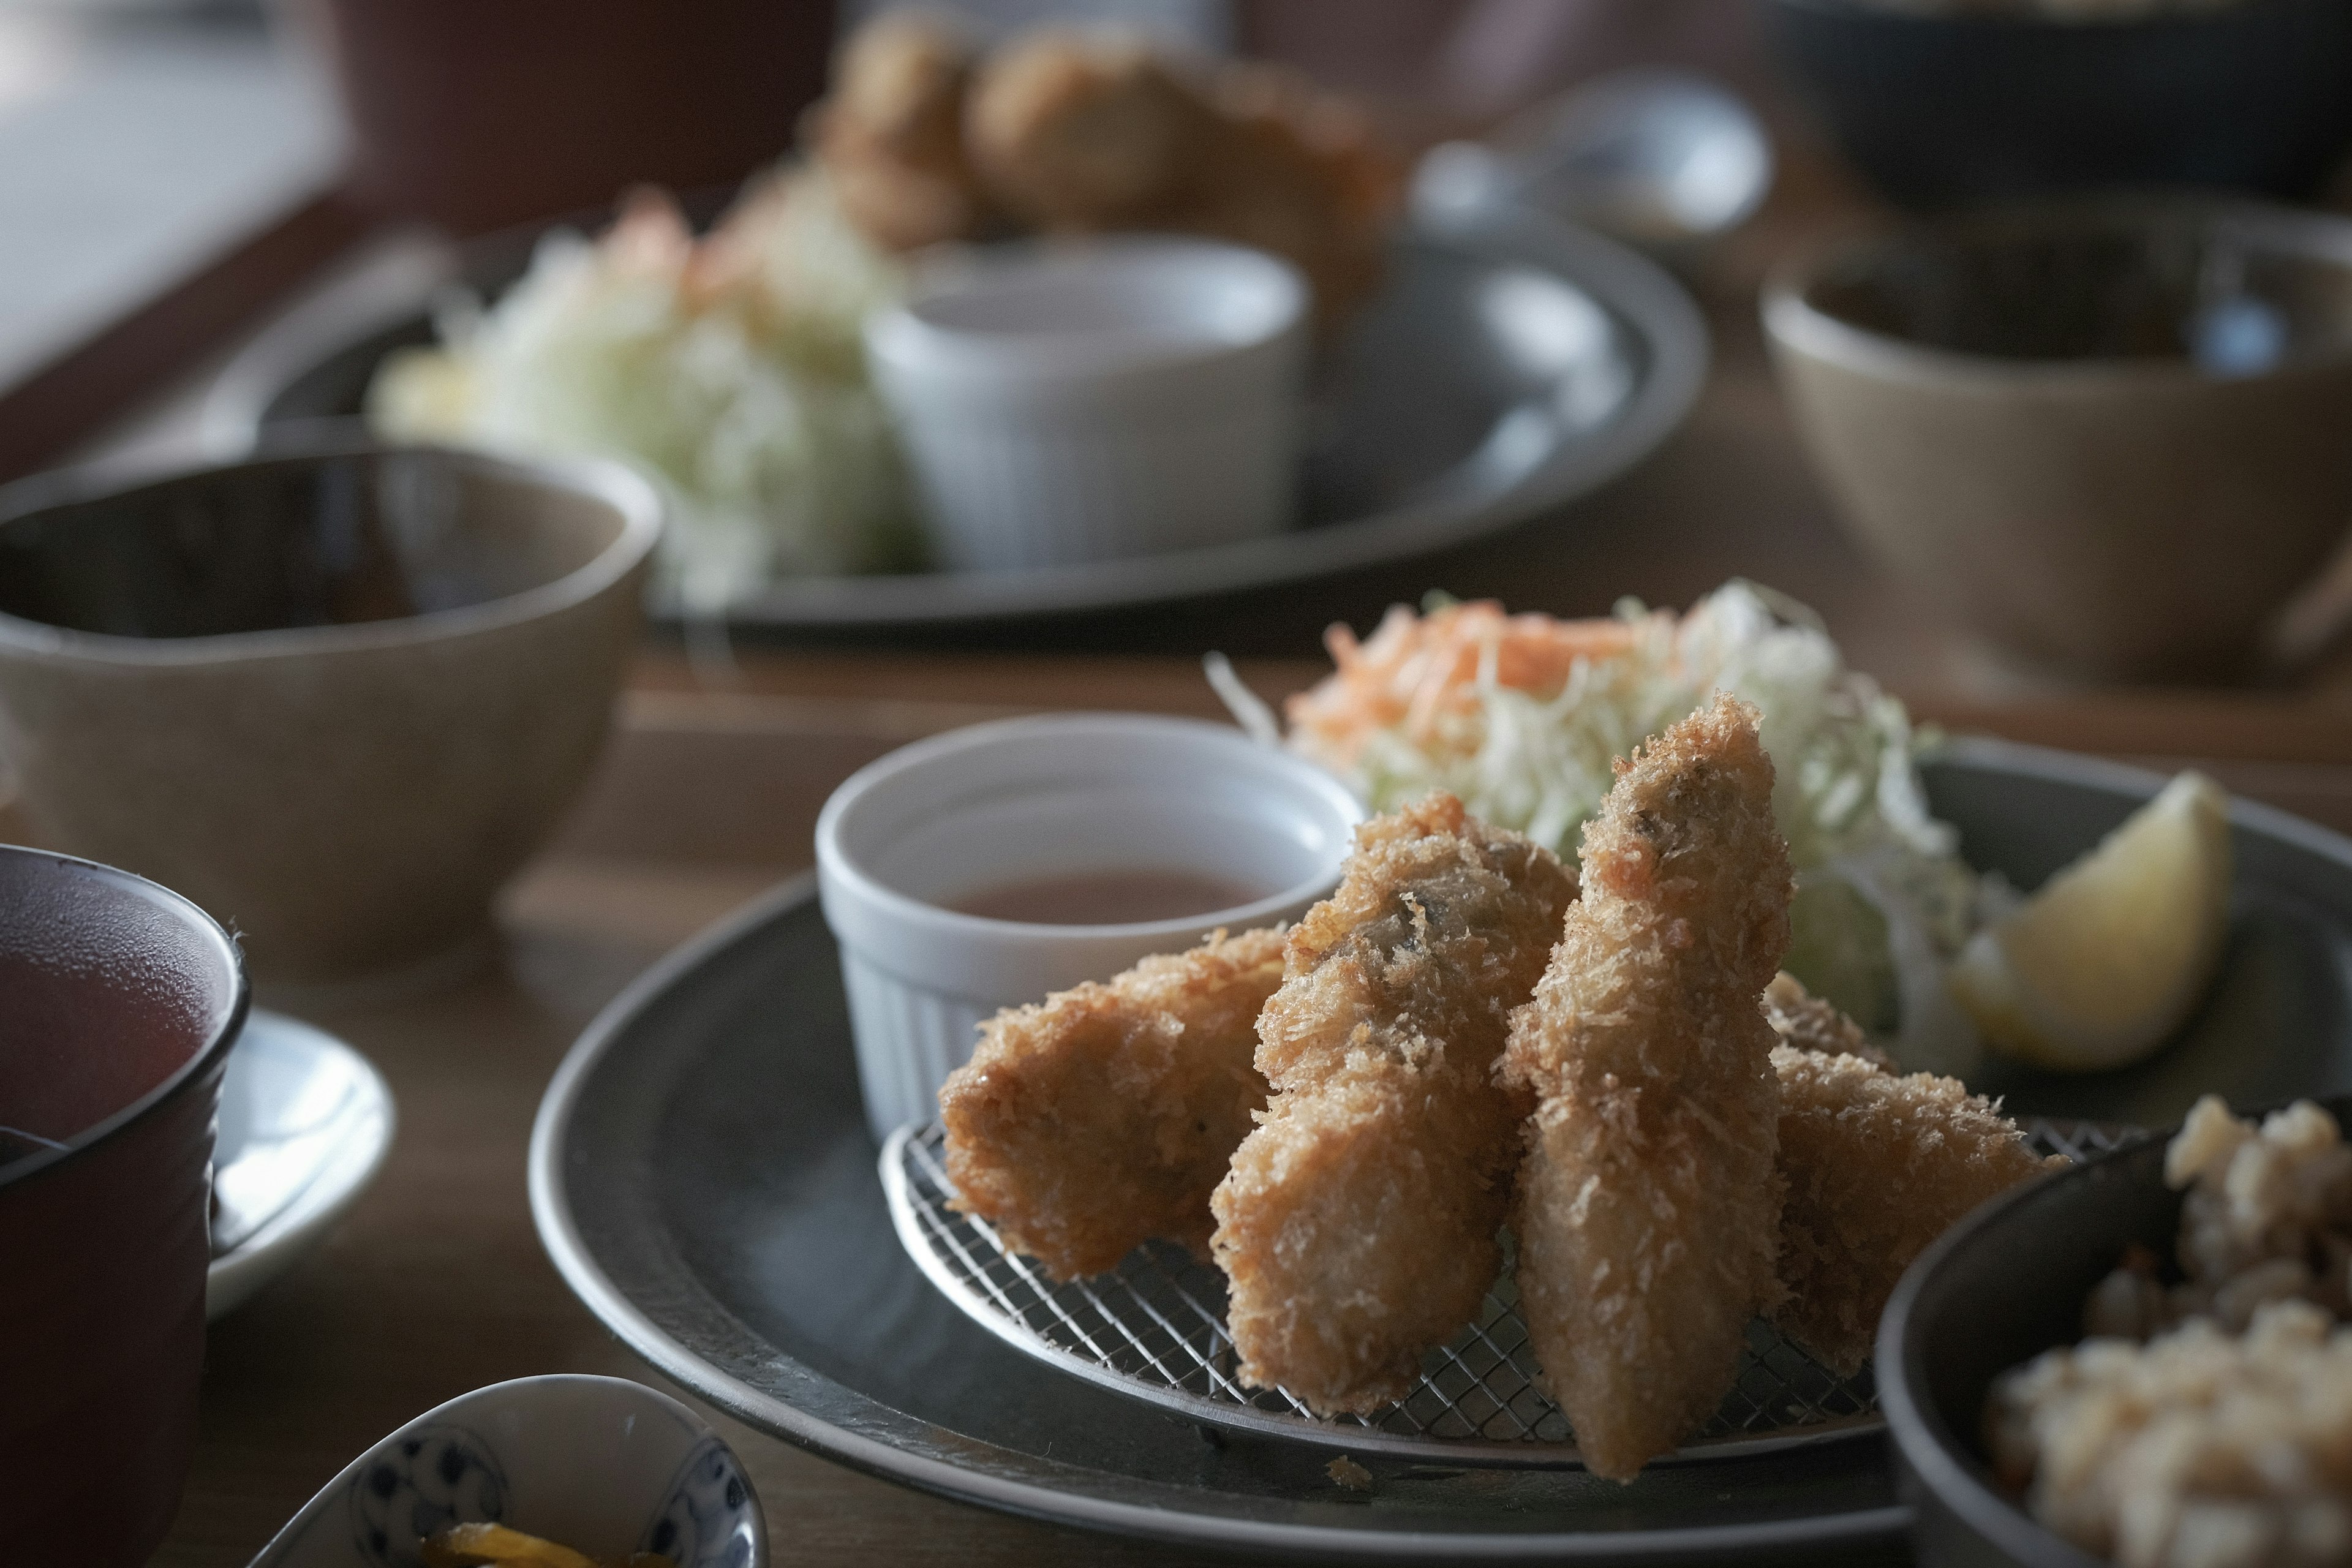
[1660, 159]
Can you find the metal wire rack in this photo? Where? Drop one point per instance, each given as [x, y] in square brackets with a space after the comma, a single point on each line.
[1154, 1329]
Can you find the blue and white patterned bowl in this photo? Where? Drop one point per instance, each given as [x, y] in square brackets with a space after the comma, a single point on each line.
[604, 1466]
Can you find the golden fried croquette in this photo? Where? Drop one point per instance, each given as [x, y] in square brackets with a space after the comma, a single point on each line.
[1649, 1202]
[1299, 173]
[1104, 1115]
[891, 132]
[1878, 1166]
[899, 88]
[1805, 1021]
[1086, 131]
[1358, 1227]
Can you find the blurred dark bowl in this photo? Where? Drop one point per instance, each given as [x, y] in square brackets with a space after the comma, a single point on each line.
[1943, 111]
[118, 1002]
[474, 116]
[1998, 1290]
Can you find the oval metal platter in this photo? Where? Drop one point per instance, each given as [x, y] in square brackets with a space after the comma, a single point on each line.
[1506, 369]
[703, 1174]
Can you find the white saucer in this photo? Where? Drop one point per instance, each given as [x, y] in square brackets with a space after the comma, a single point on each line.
[305, 1120]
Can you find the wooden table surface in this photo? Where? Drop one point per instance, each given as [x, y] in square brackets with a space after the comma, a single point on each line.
[435, 1283]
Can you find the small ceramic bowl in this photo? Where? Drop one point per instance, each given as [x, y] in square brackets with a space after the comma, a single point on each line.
[1098, 399]
[335, 695]
[933, 823]
[2110, 435]
[119, 1004]
[1996, 1290]
[602, 1465]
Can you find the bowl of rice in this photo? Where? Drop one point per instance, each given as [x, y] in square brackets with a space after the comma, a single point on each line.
[2145, 1360]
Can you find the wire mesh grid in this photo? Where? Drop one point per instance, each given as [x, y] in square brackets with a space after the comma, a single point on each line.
[1154, 1329]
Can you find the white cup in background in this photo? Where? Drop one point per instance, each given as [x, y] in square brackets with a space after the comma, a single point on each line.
[937, 821]
[1090, 400]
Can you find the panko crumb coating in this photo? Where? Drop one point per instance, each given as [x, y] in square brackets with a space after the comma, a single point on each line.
[1649, 1204]
[1104, 1115]
[1878, 1165]
[891, 132]
[1083, 132]
[1805, 1021]
[1357, 1227]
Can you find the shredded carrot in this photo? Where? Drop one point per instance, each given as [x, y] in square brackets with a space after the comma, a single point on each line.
[1415, 671]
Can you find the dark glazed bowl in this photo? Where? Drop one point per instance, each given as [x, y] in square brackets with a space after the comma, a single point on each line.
[1998, 1290]
[336, 695]
[1941, 110]
[118, 1002]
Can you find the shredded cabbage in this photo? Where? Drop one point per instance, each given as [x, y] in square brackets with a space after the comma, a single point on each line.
[1521, 716]
[731, 369]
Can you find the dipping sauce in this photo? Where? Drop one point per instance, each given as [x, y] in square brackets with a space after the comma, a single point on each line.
[1126, 896]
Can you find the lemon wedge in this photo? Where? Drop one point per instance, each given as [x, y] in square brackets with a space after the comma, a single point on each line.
[2097, 968]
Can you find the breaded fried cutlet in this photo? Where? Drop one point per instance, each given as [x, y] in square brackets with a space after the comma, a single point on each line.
[1084, 132]
[1357, 1227]
[1106, 1115]
[1649, 1202]
[1877, 1166]
[1803, 1020]
[891, 132]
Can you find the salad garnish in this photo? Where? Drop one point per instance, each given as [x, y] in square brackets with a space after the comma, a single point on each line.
[1521, 716]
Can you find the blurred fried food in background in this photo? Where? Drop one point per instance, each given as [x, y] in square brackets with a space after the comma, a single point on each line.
[1073, 132]
[892, 132]
[1081, 133]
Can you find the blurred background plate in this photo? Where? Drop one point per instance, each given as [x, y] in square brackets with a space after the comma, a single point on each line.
[703, 1174]
[1510, 366]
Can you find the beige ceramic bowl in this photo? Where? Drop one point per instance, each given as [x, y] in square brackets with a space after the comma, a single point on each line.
[2116, 438]
[336, 698]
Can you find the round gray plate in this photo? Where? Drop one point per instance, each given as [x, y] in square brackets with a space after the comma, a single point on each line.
[1506, 368]
[702, 1175]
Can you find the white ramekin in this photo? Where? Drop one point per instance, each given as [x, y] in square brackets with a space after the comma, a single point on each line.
[948, 816]
[1093, 400]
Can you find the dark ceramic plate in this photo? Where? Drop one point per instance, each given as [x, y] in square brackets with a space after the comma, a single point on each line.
[1505, 370]
[703, 1174]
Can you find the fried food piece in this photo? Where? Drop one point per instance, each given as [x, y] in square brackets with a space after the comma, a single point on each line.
[1878, 1164]
[1298, 172]
[1104, 1115]
[1649, 1202]
[891, 132]
[1358, 1227]
[1803, 1020]
[1087, 131]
